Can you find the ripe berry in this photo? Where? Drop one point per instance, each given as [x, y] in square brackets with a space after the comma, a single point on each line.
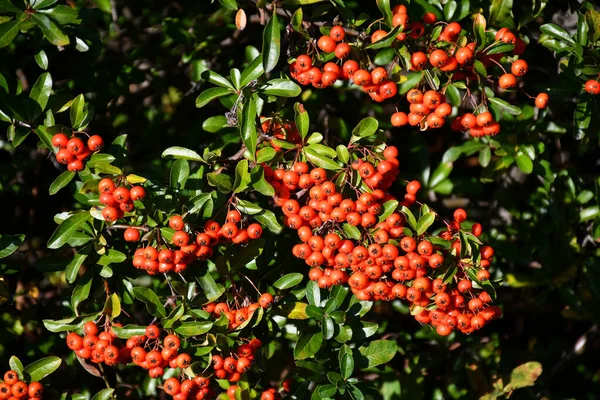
[265, 300]
[60, 140]
[464, 55]
[342, 50]
[95, 143]
[75, 146]
[541, 101]
[378, 35]
[592, 87]
[438, 57]
[337, 33]
[519, 68]
[507, 81]
[429, 18]
[326, 43]
[137, 193]
[176, 222]
[418, 60]
[484, 119]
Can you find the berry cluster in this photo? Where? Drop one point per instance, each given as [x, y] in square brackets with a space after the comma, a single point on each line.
[13, 388]
[98, 347]
[73, 152]
[386, 262]
[448, 52]
[118, 201]
[164, 260]
[232, 367]
[279, 129]
[237, 317]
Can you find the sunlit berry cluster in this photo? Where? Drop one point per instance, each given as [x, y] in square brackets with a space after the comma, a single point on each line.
[14, 388]
[231, 367]
[118, 199]
[74, 151]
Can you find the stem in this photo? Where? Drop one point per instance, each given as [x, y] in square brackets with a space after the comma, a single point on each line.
[104, 376]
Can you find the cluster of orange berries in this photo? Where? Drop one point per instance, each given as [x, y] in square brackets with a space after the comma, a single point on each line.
[237, 317]
[384, 263]
[118, 201]
[14, 389]
[375, 83]
[98, 347]
[73, 152]
[154, 260]
[232, 367]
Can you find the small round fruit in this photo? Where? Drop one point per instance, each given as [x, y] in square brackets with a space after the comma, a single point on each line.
[265, 300]
[337, 33]
[507, 81]
[592, 87]
[137, 193]
[399, 119]
[60, 140]
[541, 101]
[326, 43]
[75, 146]
[519, 68]
[95, 143]
[131, 235]
[438, 57]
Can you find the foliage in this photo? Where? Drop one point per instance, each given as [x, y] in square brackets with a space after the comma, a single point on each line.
[198, 106]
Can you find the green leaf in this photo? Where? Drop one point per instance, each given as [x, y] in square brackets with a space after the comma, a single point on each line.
[288, 281]
[104, 394]
[214, 124]
[67, 229]
[412, 79]
[128, 331]
[480, 68]
[51, 31]
[352, 232]
[453, 95]
[61, 181]
[313, 293]
[425, 222]
[389, 207]
[325, 391]
[269, 220]
[210, 94]
[440, 173]
[230, 4]
[180, 171]
[242, 177]
[182, 153]
[217, 79]
[504, 106]
[82, 290]
[77, 111]
[73, 268]
[582, 117]
[378, 352]
[384, 7]
[320, 160]
[8, 31]
[271, 43]
[193, 328]
[501, 13]
[366, 127]
[558, 33]
[265, 154]
[15, 364]
[412, 222]
[342, 153]
[112, 306]
[42, 59]
[485, 155]
[40, 369]
[301, 119]
[309, 342]
[248, 127]
[479, 26]
[523, 162]
[500, 48]
[211, 290]
[328, 328]
[69, 324]
[9, 244]
[252, 71]
[281, 88]
[40, 92]
[153, 304]
[346, 361]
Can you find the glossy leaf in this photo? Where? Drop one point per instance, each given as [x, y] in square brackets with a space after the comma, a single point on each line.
[40, 369]
[271, 44]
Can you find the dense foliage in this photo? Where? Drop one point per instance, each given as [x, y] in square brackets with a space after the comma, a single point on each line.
[299, 199]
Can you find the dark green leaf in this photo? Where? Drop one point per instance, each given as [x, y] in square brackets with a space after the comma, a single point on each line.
[180, 171]
[313, 293]
[9, 244]
[351, 232]
[309, 342]
[61, 181]
[389, 207]
[301, 119]
[346, 361]
[193, 328]
[153, 304]
[252, 71]
[68, 228]
[40, 369]
[271, 43]
[523, 162]
[104, 394]
[248, 127]
[501, 13]
[281, 88]
[51, 31]
[216, 79]
[320, 160]
[265, 154]
[8, 31]
[182, 153]
[558, 33]
[210, 94]
[15, 364]
[82, 290]
[72, 269]
[453, 95]
[288, 281]
[378, 352]
[387, 40]
[384, 7]
[366, 127]
[425, 222]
